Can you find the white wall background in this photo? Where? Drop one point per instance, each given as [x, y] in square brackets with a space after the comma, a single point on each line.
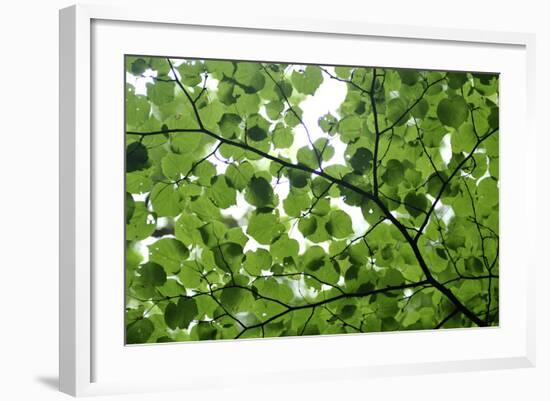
[29, 198]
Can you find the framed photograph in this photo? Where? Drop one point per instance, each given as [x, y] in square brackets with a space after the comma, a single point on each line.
[293, 198]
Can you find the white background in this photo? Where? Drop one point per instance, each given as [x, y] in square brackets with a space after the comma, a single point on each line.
[28, 200]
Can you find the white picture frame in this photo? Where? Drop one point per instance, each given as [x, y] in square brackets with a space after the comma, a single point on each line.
[92, 363]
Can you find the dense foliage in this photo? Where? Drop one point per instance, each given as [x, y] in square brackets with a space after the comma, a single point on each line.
[234, 231]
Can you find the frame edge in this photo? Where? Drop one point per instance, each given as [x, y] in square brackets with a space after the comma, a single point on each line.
[75, 341]
[74, 201]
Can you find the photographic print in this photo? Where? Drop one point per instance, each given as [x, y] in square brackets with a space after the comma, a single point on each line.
[266, 199]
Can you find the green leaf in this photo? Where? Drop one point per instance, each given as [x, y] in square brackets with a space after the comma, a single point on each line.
[249, 74]
[394, 173]
[230, 125]
[138, 66]
[264, 227]
[307, 157]
[282, 137]
[185, 142]
[257, 127]
[166, 200]
[452, 111]
[308, 80]
[256, 261]
[361, 160]
[222, 194]
[142, 223]
[247, 104]
[469, 289]
[228, 256]
[456, 80]
[136, 157]
[190, 72]
[328, 123]
[238, 175]
[171, 316]
[137, 108]
[139, 332]
[342, 72]
[416, 204]
[420, 109]
[339, 224]
[284, 247]
[274, 109]
[307, 226]
[175, 166]
[129, 207]
[396, 111]
[220, 68]
[235, 299]
[161, 92]
[169, 253]
[409, 77]
[298, 178]
[152, 274]
[350, 128]
[296, 202]
[186, 311]
[314, 258]
[259, 192]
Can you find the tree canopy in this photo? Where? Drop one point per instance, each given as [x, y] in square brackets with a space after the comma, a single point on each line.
[244, 220]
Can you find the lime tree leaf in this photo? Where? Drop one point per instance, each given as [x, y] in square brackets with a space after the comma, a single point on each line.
[185, 142]
[256, 261]
[452, 111]
[250, 75]
[175, 166]
[259, 192]
[138, 332]
[456, 79]
[420, 109]
[396, 111]
[339, 224]
[169, 253]
[409, 77]
[138, 109]
[239, 175]
[328, 123]
[138, 66]
[161, 92]
[394, 173]
[222, 194]
[129, 206]
[284, 247]
[142, 223]
[263, 227]
[136, 157]
[361, 160]
[416, 204]
[228, 256]
[282, 137]
[307, 81]
[190, 73]
[350, 128]
[258, 127]
[166, 200]
[296, 202]
[171, 315]
[152, 274]
[274, 109]
[314, 258]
